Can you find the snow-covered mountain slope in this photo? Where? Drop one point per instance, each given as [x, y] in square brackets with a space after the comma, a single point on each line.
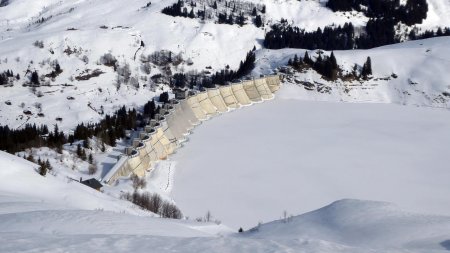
[357, 223]
[30, 203]
[78, 33]
[414, 73]
[21, 183]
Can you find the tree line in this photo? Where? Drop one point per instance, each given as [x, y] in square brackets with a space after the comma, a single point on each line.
[30, 136]
[6, 75]
[378, 32]
[411, 13]
[109, 129]
[413, 35]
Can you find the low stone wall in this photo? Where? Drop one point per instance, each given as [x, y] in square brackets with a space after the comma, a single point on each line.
[163, 136]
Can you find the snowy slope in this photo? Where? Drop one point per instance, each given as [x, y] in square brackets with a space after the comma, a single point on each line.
[420, 67]
[20, 182]
[77, 25]
[357, 223]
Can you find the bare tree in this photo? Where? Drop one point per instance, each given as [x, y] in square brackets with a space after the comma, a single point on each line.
[138, 183]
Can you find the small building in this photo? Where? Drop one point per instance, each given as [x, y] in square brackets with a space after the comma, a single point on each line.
[93, 183]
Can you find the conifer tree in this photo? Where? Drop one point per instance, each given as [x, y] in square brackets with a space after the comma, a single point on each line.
[258, 21]
[191, 13]
[43, 170]
[91, 159]
[306, 59]
[333, 61]
[79, 151]
[35, 78]
[48, 165]
[367, 68]
[83, 155]
[86, 143]
[31, 158]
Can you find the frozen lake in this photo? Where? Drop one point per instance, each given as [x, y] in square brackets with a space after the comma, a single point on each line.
[252, 164]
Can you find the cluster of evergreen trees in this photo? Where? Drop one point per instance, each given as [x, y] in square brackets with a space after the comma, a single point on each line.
[4, 3]
[35, 78]
[30, 136]
[227, 75]
[240, 19]
[109, 129]
[327, 66]
[221, 77]
[4, 77]
[164, 97]
[230, 19]
[367, 68]
[429, 33]
[380, 29]
[378, 32]
[283, 35]
[413, 12]
[178, 10]
[235, 15]
[150, 109]
[44, 165]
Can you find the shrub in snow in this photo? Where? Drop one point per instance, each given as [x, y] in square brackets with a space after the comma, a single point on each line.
[92, 169]
[155, 204]
[39, 44]
[108, 59]
[138, 183]
[124, 72]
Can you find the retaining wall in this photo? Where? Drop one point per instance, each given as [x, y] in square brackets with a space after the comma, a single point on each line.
[163, 136]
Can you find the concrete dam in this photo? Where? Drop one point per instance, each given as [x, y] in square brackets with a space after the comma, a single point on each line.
[168, 130]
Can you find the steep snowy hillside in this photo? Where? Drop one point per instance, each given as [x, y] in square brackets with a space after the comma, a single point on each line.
[21, 187]
[413, 73]
[77, 35]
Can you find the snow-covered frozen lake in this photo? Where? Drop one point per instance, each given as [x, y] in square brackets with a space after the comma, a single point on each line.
[250, 165]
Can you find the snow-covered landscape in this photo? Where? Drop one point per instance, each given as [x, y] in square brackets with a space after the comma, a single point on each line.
[175, 126]
[295, 156]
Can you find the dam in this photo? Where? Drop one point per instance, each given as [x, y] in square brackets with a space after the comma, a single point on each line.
[167, 131]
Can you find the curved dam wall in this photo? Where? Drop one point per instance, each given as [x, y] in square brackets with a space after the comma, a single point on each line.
[168, 130]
